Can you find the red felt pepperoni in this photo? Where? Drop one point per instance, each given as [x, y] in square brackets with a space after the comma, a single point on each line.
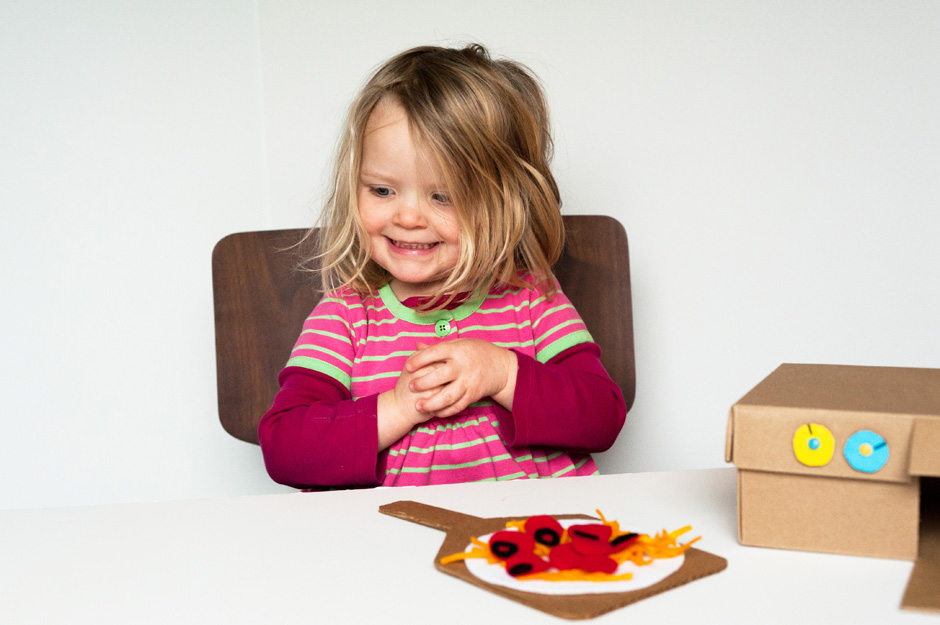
[591, 539]
[544, 529]
[506, 544]
[597, 564]
[524, 563]
[594, 531]
[621, 542]
[564, 558]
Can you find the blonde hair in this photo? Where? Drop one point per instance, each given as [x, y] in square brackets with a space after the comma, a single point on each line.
[486, 123]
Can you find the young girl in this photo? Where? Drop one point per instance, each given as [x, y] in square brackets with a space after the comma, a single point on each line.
[443, 350]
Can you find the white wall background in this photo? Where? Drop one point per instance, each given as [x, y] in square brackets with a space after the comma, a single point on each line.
[776, 166]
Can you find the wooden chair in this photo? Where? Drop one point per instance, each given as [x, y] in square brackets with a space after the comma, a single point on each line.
[261, 302]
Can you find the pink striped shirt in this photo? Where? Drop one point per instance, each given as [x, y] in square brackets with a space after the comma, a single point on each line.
[363, 342]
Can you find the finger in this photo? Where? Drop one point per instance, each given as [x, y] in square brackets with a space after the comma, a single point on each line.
[435, 402]
[422, 398]
[430, 377]
[448, 401]
[424, 371]
[422, 358]
[453, 409]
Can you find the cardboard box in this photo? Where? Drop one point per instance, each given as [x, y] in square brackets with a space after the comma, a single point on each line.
[843, 459]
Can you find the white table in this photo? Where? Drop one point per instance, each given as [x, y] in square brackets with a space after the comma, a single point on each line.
[332, 558]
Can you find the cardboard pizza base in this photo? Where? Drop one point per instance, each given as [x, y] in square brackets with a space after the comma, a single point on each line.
[460, 528]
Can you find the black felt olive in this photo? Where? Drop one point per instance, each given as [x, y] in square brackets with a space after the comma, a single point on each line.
[591, 539]
[544, 530]
[619, 543]
[506, 544]
[525, 563]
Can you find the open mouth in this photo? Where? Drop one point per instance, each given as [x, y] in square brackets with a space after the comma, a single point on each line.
[405, 245]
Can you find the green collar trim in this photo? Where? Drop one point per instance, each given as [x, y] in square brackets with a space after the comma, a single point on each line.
[404, 313]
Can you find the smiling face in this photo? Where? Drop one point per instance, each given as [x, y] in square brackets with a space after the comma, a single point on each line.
[404, 206]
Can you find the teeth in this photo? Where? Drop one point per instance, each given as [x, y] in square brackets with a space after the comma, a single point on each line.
[414, 246]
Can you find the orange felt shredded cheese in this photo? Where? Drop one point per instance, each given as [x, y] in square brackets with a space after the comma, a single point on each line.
[643, 550]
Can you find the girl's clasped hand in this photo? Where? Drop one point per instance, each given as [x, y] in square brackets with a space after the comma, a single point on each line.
[442, 379]
[450, 376]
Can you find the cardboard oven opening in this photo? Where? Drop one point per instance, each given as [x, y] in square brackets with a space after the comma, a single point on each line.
[921, 593]
[930, 517]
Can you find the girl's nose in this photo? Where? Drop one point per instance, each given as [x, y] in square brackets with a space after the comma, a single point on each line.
[410, 214]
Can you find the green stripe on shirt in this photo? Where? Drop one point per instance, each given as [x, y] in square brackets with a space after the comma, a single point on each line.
[332, 335]
[445, 447]
[565, 342]
[323, 367]
[505, 326]
[377, 376]
[320, 348]
[552, 311]
[387, 339]
[456, 426]
[462, 465]
[557, 328]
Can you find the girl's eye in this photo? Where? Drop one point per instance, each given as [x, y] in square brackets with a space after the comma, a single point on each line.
[441, 198]
[382, 191]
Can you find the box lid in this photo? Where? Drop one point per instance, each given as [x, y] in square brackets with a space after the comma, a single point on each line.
[892, 402]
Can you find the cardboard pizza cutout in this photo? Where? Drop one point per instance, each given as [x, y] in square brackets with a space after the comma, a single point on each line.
[588, 600]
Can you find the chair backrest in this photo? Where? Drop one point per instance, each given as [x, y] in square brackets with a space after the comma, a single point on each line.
[261, 302]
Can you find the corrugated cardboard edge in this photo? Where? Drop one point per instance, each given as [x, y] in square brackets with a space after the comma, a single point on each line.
[729, 457]
[729, 436]
[925, 459]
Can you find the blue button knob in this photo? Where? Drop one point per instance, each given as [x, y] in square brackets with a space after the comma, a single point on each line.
[866, 451]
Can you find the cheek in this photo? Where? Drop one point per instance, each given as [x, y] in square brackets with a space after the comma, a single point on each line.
[368, 218]
[449, 229]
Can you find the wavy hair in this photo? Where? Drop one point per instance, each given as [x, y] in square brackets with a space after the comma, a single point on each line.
[486, 123]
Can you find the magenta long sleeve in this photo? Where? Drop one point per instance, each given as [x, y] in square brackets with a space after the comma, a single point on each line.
[569, 402]
[315, 434]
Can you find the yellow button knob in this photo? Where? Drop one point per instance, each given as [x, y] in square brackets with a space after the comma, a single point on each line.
[813, 445]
